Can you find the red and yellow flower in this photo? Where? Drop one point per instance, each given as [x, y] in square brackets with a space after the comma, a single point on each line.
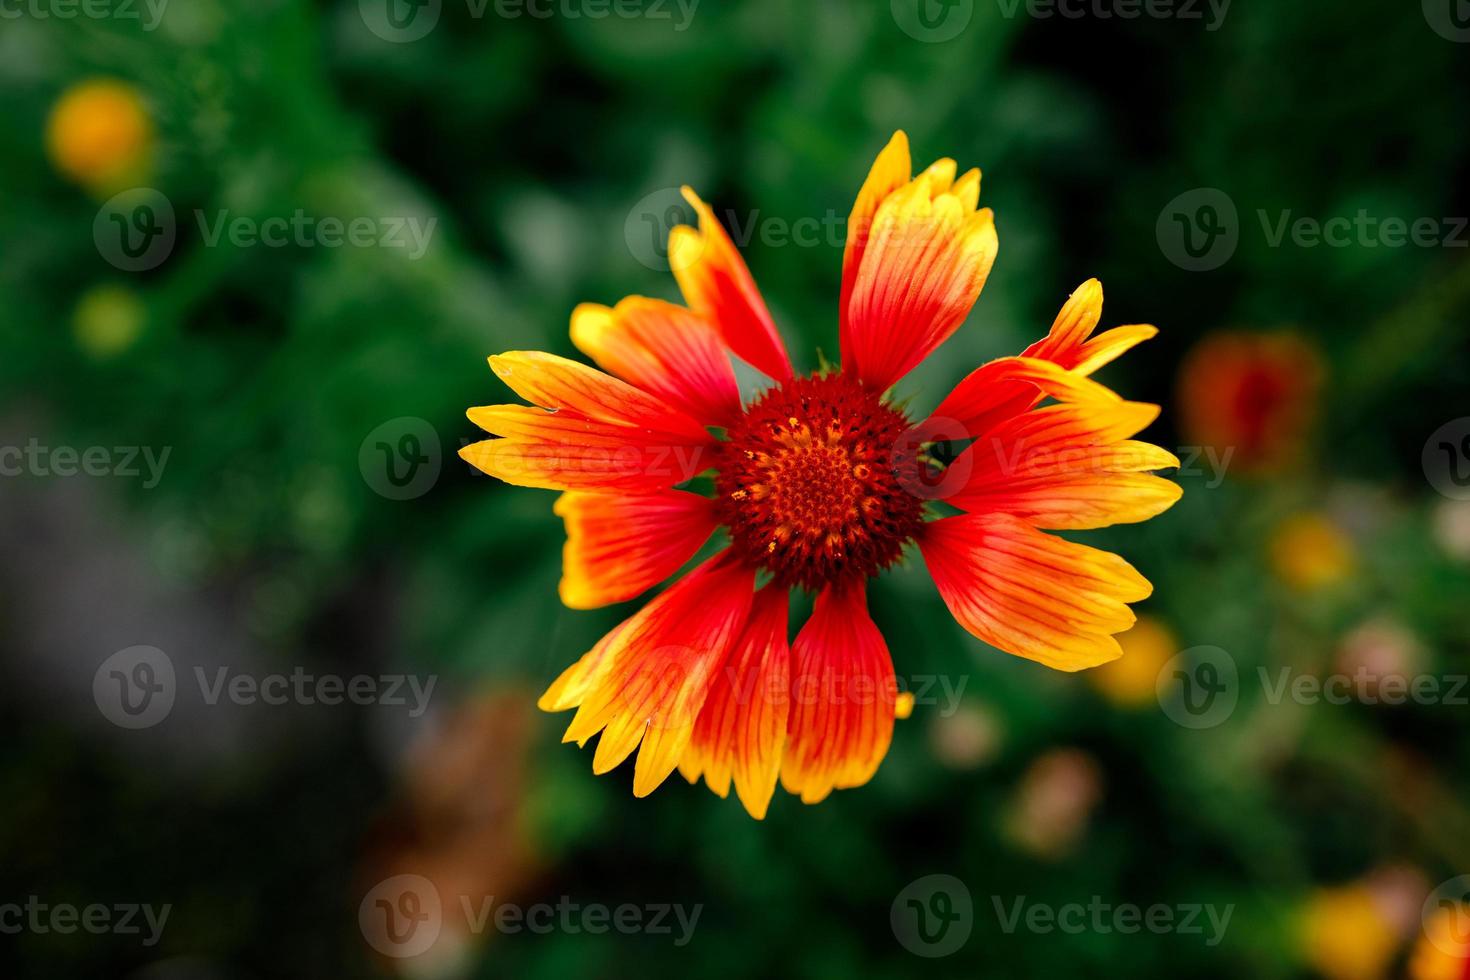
[1252, 398]
[820, 482]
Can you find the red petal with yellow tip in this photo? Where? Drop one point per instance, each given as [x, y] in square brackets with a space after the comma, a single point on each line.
[717, 285]
[567, 451]
[659, 669]
[665, 350]
[924, 260]
[1030, 593]
[557, 384]
[742, 726]
[843, 695]
[618, 545]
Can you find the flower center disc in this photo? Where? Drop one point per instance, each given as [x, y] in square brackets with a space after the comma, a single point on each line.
[809, 483]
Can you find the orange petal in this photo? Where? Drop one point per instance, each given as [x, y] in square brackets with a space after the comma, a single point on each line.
[843, 693]
[1076, 487]
[926, 256]
[567, 451]
[1073, 325]
[890, 171]
[621, 544]
[557, 384]
[742, 726]
[578, 680]
[991, 393]
[1030, 593]
[717, 285]
[1006, 387]
[659, 669]
[663, 349]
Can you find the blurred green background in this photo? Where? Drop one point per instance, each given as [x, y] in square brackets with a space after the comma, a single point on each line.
[537, 156]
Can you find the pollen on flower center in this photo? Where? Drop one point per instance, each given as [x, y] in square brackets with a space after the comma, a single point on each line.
[809, 483]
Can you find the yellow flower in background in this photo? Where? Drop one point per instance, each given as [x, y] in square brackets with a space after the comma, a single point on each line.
[1443, 951]
[108, 320]
[1131, 680]
[1308, 552]
[1347, 934]
[100, 135]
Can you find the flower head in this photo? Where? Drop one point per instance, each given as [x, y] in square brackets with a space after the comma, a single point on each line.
[100, 135]
[1253, 396]
[821, 482]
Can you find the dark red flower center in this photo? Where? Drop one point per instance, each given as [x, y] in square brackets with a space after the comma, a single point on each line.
[811, 483]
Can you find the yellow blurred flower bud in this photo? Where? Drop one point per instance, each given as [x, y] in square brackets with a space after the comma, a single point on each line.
[1131, 680]
[108, 320]
[1308, 551]
[1347, 933]
[100, 135]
